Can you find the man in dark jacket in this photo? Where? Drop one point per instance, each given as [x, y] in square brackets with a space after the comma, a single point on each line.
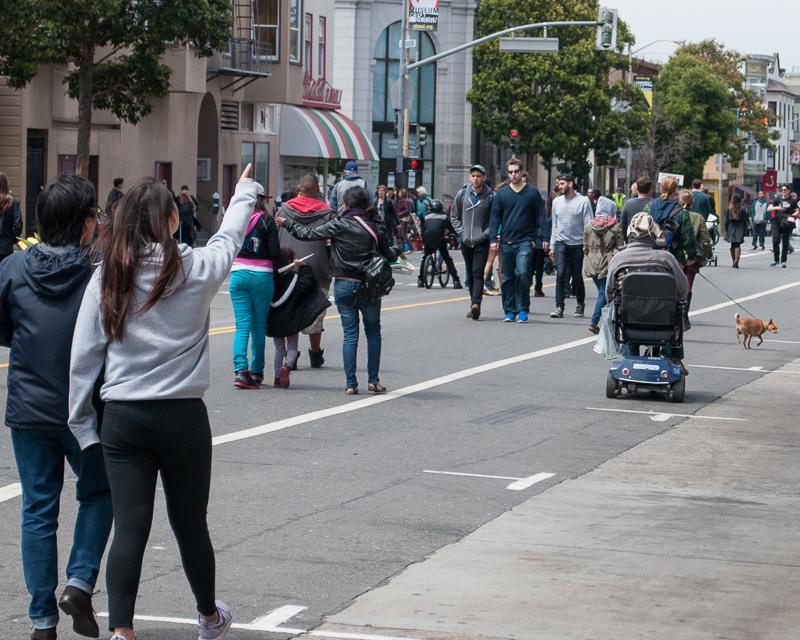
[351, 179]
[114, 196]
[434, 231]
[472, 209]
[519, 219]
[308, 210]
[40, 293]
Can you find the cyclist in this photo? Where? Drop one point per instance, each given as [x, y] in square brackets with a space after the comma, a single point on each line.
[434, 230]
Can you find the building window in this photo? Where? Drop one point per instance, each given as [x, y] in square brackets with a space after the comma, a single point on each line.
[308, 44]
[753, 152]
[257, 154]
[247, 116]
[266, 29]
[295, 11]
[321, 44]
[265, 118]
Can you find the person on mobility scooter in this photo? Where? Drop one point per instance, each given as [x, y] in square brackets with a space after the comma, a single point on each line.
[649, 290]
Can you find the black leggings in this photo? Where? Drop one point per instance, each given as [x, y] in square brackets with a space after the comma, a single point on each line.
[141, 439]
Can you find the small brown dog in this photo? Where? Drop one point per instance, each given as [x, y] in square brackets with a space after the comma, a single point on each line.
[751, 327]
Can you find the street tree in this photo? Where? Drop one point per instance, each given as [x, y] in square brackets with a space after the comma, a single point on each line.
[700, 95]
[115, 50]
[562, 104]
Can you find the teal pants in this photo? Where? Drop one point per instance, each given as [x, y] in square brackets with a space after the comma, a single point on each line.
[251, 296]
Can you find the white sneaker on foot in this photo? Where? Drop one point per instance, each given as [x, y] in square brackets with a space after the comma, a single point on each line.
[215, 629]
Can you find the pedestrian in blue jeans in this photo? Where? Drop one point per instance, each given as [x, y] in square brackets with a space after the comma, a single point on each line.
[251, 288]
[354, 236]
[602, 238]
[40, 296]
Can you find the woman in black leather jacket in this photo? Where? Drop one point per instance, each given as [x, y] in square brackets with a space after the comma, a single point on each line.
[353, 237]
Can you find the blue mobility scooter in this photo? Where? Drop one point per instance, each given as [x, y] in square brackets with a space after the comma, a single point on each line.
[649, 318]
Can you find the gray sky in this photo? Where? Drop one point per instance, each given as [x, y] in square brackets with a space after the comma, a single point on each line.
[743, 25]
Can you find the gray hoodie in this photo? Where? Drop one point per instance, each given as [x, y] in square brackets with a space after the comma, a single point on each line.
[164, 353]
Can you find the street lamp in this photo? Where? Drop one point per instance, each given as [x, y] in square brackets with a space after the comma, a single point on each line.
[680, 43]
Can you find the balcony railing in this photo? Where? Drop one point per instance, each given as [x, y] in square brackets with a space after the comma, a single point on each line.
[244, 55]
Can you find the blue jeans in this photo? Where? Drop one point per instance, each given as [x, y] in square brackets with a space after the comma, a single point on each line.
[349, 301]
[515, 288]
[600, 283]
[251, 296]
[569, 266]
[759, 233]
[40, 455]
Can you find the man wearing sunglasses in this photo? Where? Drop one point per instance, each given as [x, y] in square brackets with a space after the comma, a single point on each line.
[783, 214]
[517, 222]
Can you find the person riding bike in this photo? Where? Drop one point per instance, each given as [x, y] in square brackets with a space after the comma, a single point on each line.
[434, 229]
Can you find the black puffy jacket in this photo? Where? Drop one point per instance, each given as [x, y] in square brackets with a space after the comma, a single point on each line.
[351, 243]
[297, 302]
[40, 293]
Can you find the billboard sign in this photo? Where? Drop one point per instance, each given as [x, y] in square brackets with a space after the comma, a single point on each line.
[769, 181]
[423, 15]
[645, 83]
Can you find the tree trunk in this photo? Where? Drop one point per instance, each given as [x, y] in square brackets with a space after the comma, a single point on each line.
[85, 78]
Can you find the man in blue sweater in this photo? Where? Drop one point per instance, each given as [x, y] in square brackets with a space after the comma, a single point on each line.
[517, 222]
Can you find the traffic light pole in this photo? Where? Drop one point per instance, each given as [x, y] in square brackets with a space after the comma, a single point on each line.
[402, 151]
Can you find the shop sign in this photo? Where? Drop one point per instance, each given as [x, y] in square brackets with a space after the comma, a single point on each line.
[318, 93]
[423, 15]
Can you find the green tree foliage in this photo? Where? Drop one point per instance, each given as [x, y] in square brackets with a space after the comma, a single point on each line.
[700, 93]
[562, 105]
[115, 47]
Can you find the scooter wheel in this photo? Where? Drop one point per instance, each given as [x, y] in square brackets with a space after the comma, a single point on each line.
[677, 390]
[612, 387]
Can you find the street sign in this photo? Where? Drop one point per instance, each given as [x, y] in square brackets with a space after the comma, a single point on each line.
[423, 15]
[390, 180]
[528, 45]
[677, 176]
[412, 179]
[393, 143]
[622, 173]
[411, 43]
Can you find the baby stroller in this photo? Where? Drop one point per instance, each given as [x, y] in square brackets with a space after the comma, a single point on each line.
[649, 317]
[712, 224]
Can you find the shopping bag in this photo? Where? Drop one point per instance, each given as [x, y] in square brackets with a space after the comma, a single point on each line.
[606, 344]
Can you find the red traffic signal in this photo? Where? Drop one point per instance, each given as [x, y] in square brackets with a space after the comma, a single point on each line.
[514, 134]
[412, 164]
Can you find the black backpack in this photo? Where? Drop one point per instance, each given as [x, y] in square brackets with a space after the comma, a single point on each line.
[378, 277]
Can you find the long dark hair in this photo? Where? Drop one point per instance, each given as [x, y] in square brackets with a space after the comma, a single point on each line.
[735, 207]
[358, 198]
[141, 219]
[5, 196]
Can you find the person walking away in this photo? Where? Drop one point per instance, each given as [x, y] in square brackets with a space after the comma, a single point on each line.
[114, 196]
[571, 213]
[783, 216]
[145, 322]
[10, 219]
[677, 232]
[735, 227]
[472, 209]
[251, 287]
[353, 235]
[712, 202]
[297, 303]
[349, 180]
[308, 210]
[701, 202]
[403, 209]
[186, 232]
[634, 205]
[602, 238]
[703, 248]
[434, 238]
[40, 295]
[518, 220]
[758, 219]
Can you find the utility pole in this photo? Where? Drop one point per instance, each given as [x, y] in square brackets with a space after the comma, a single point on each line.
[402, 151]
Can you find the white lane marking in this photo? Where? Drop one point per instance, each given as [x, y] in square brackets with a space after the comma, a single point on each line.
[519, 484]
[355, 636]
[783, 341]
[305, 418]
[10, 491]
[267, 623]
[662, 416]
[274, 618]
[711, 366]
[469, 475]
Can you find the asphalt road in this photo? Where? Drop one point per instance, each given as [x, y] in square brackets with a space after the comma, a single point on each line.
[313, 511]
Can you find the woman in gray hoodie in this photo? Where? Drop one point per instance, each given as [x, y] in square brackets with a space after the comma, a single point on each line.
[145, 318]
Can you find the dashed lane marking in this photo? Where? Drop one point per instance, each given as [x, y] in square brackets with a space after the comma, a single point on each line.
[10, 491]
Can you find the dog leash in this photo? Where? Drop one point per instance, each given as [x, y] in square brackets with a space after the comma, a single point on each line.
[725, 294]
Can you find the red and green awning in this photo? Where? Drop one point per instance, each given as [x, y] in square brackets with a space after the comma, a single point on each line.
[320, 133]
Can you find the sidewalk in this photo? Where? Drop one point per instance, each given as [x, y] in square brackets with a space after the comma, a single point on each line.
[690, 535]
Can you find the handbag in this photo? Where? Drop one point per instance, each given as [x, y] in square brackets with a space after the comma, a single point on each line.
[378, 278]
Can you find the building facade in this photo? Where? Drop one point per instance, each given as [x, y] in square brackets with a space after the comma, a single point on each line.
[267, 99]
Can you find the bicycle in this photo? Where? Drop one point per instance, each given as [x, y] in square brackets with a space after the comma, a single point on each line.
[433, 266]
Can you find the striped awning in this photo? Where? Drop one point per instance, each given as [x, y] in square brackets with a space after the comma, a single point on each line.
[320, 133]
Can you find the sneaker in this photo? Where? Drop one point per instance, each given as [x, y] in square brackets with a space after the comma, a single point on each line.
[557, 313]
[523, 316]
[283, 377]
[474, 312]
[783, 265]
[244, 380]
[578, 311]
[773, 264]
[316, 358]
[420, 284]
[593, 328]
[509, 317]
[45, 634]
[258, 378]
[791, 249]
[215, 629]
[457, 284]
[538, 293]
[78, 604]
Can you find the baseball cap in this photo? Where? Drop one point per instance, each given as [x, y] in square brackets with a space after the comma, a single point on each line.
[478, 167]
[260, 189]
[351, 165]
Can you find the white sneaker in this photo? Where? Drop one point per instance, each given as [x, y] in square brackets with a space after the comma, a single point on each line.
[215, 629]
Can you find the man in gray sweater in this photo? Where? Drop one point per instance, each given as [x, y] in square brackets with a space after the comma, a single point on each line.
[571, 213]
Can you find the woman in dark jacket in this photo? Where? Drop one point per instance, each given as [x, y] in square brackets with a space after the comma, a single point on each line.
[10, 219]
[386, 212]
[735, 221]
[186, 230]
[354, 236]
[297, 302]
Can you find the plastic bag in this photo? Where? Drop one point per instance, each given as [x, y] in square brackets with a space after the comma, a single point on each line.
[606, 344]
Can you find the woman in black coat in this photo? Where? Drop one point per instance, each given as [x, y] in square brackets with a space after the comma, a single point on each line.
[10, 219]
[735, 221]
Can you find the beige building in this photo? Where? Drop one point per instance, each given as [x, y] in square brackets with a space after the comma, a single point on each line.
[266, 100]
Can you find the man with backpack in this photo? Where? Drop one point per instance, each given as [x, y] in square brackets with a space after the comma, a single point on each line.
[472, 208]
[677, 233]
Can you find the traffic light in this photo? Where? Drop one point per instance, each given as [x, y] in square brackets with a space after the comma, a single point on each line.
[606, 30]
[513, 140]
[422, 136]
[412, 164]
